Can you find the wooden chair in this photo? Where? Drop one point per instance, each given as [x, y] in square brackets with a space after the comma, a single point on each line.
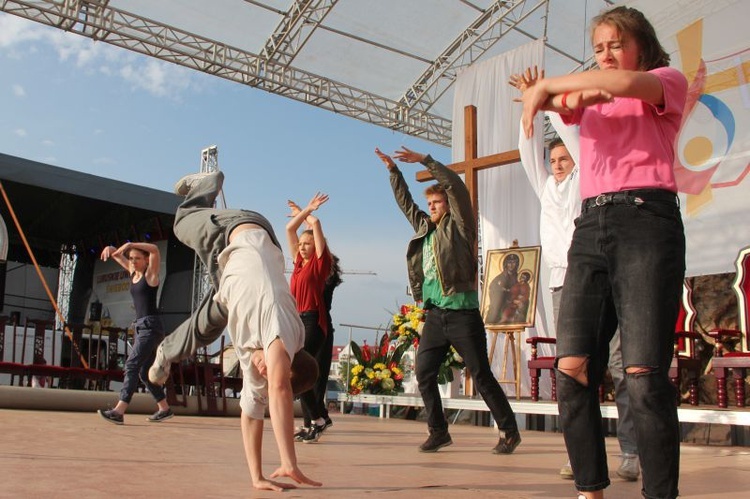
[41, 366]
[686, 358]
[10, 366]
[206, 374]
[537, 365]
[76, 374]
[210, 374]
[738, 361]
[110, 363]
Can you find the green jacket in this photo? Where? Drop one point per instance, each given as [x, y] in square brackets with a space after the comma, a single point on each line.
[455, 235]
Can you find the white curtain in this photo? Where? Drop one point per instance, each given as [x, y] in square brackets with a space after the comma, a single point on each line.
[508, 207]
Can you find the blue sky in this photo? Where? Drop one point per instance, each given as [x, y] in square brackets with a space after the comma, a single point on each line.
[70, 102]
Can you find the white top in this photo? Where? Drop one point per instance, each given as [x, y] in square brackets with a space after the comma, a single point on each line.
[260, 309]
[561, 202]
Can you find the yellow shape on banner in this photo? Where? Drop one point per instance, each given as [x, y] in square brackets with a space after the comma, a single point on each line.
[696, 202]
[698, 151]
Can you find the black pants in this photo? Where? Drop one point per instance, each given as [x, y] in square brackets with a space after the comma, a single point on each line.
[464, 330]
[311, 401]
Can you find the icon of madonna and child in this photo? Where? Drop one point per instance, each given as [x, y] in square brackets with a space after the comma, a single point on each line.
[509, 295]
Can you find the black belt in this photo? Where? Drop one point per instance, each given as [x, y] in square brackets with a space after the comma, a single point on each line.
[309, 313]
[633, 197]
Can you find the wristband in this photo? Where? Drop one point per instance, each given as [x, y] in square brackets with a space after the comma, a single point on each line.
[564, 101]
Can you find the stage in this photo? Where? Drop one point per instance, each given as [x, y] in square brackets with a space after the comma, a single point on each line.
[77, 454]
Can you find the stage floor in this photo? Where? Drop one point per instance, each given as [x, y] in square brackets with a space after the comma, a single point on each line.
[73, 455]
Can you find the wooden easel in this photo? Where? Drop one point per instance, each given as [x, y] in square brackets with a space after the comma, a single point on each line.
[514, 347]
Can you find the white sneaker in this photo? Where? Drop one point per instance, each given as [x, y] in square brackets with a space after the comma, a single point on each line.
[629, 468]
[158, 373]
[566, 472]
[183, 186]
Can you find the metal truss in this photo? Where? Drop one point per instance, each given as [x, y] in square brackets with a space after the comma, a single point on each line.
[303, 17]
[201, 280]
[97, 20]
[486, 30]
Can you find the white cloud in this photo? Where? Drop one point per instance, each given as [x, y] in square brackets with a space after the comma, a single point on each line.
[20, 132]
[48, 143]
[19, 91]
[143, 73]
[157, 78]
[15, 31]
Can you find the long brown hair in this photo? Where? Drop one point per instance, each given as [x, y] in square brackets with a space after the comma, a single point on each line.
[631, 22]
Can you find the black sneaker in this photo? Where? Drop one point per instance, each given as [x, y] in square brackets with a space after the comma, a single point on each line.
[328, 423]
[313, 435]
[112, 416]
[160, 416]
[302, 432]
[508, 443]
[436, 441]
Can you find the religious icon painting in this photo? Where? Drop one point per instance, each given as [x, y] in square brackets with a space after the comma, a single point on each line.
[510, 288]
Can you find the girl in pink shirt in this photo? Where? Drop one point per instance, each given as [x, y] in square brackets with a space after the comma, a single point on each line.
[626, 262]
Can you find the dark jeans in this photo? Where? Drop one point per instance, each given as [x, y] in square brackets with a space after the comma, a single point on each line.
[149, 332]
[311, 400]
[464, 330]
[626, 265]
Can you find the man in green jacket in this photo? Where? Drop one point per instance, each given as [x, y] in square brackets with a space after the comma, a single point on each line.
[442, 266]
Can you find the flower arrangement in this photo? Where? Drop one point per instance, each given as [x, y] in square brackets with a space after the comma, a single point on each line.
[380, 370]
[377, 369]
[406, 326]
[452, 361]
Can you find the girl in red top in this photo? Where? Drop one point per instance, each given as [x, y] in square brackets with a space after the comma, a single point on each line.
[312, 265]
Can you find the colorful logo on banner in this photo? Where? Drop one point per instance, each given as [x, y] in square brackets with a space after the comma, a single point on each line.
[711, 147]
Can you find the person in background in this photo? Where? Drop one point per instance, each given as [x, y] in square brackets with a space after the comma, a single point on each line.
[312, 266]
[626, 262]
[141, 260]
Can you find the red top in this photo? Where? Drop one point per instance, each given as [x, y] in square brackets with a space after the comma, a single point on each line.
[307, 285]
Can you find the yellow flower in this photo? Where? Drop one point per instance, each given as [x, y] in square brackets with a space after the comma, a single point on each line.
[354, 381]
[357, 369]
[370, 374]
[379, 366]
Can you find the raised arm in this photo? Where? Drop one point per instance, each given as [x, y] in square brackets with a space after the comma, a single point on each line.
[154, 259]
[305, 215]
[565, 94]
[458, 195]
[404, 199]
[117, 256]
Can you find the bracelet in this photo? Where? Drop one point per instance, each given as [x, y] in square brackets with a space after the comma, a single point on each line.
[564, 101]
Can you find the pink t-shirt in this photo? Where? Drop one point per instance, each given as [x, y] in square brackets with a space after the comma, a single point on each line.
[628, 143]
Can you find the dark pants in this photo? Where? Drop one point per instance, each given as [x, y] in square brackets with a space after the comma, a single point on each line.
[626, 265]
[149, 332]
[311, 401]
[324, 359]
[464, 330]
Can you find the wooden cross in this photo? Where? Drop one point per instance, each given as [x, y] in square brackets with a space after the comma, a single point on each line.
[472, 164]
